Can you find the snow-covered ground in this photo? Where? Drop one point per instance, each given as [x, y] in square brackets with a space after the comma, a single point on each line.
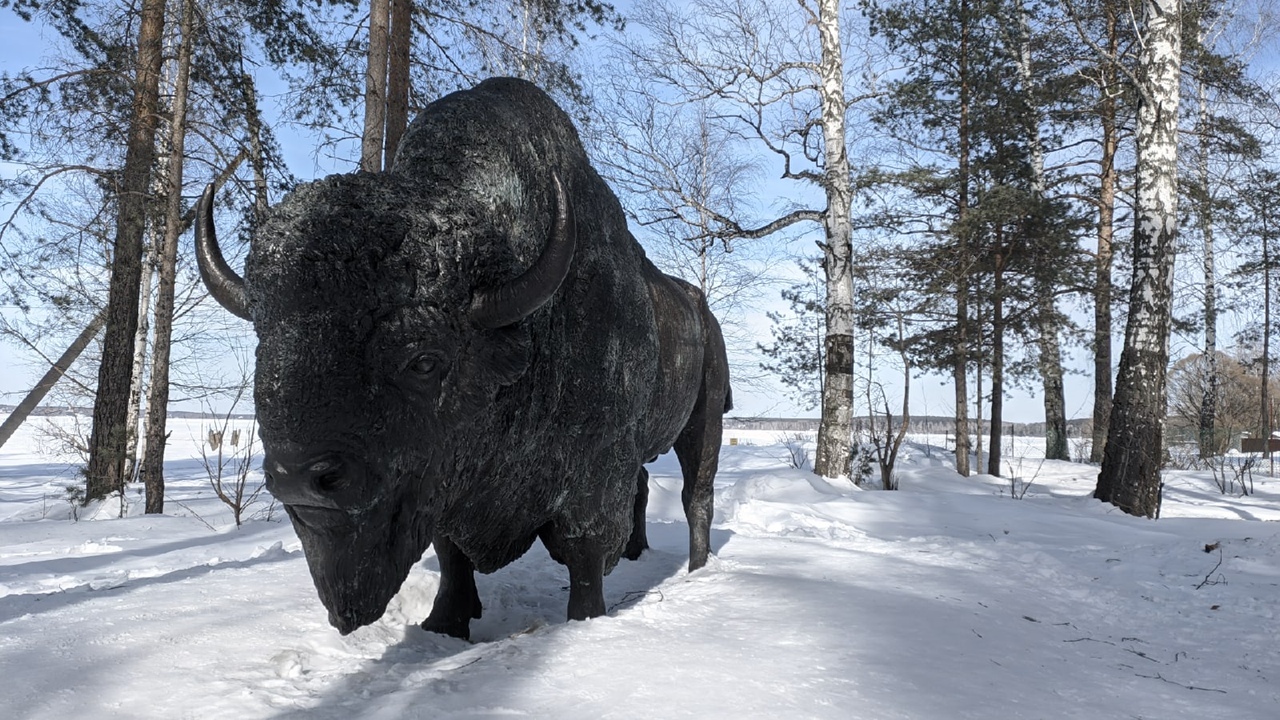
[947, 599]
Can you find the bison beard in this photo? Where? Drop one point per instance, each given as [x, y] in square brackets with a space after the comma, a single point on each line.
[471, 350]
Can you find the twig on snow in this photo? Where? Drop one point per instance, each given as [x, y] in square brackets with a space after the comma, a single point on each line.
[1158, 676]
[636, 595]
[1220, 579]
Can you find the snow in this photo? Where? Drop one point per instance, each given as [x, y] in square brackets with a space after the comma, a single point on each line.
[946, 599]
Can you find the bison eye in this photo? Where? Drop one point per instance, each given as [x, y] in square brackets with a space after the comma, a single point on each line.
[424, 365]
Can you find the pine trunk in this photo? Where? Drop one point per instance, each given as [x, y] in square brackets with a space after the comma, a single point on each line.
[1210, 444]
[398, 76]
[1130, 476]
[835, 430]
[375, 87]
[1102, 291]
[1048, 322]
[257, 156]
[960, 349]
[1055, 403]
[158, 399]
[105, 471]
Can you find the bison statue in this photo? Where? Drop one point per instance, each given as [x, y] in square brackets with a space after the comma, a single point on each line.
[471, 351]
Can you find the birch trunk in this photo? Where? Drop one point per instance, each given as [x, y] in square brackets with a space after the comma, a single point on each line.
[997, 358]
[836, 428]
[140, 356]
[158, 397]
[105, 471]
[375, 87]
[1130, 476]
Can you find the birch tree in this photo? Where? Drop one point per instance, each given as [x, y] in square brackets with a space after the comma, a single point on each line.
[774, 75]
[1130, 475]
[673, 168]
[1220, 142]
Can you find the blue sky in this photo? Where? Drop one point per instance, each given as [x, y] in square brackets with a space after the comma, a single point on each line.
[25, 44]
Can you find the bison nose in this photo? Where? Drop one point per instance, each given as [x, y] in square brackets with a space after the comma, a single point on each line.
[298, 477]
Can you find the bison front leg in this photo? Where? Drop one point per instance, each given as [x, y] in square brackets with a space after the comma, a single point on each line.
[457, 601]
[584, 555]
[586, 583]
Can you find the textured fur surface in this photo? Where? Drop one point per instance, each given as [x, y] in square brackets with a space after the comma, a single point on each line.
[390, 420]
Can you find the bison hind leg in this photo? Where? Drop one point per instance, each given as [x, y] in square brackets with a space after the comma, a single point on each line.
[639, 540]
[698, 449]
[457, 601]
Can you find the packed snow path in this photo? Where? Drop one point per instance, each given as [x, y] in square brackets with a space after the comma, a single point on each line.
[947, 599]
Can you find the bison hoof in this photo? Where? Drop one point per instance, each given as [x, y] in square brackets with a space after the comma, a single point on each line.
[634, 549]
[460, 630]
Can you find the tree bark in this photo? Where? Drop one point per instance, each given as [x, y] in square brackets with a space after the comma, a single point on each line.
[1048, 321]
[256, 154]
[1209, 441]
[105, 471]
[836, 428]
[398, 76]
[140, 355]
[158, 396]
[1264, 402]
[1055, 410]
[1102, 291]
[997, 358]
[375, 87]
[1130, 476]
[960, 367]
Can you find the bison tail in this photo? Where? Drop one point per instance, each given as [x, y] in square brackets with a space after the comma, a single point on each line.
[728, 397]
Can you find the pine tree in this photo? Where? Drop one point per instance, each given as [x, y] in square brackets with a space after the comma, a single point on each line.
[158, 401]
[107, 443]
[993, 245]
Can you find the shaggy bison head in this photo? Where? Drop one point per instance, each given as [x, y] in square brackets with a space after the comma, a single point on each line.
[387, 322]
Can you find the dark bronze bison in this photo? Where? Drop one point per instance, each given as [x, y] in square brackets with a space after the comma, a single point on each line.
[471, 350]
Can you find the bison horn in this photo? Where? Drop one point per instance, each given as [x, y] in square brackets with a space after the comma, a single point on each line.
[225, 285]
[509, 303]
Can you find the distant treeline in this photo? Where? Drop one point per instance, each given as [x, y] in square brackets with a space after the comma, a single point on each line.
[930, 424]
[70, 410]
